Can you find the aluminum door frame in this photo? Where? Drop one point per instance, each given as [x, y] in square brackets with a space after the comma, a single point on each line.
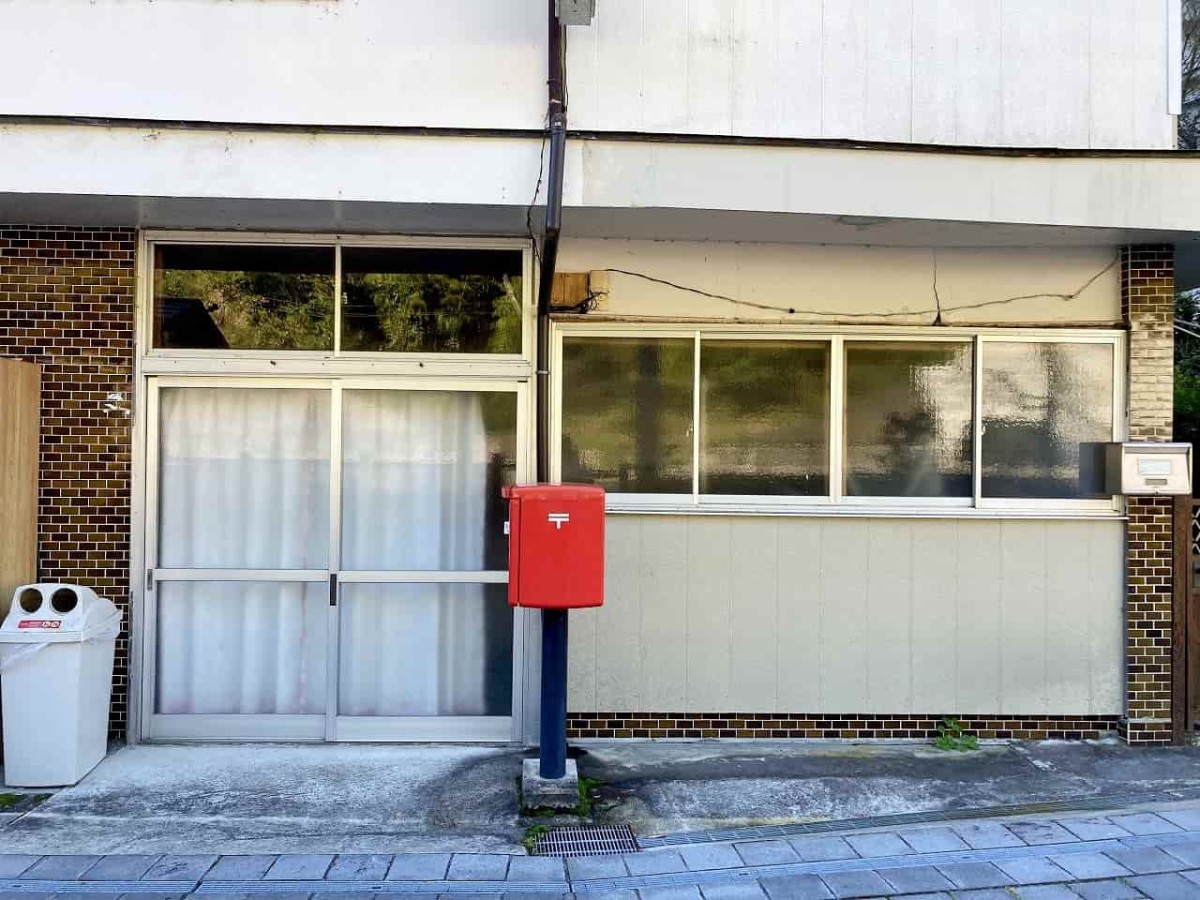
[329, 726]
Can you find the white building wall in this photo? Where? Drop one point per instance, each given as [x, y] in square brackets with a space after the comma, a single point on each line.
[1069, 73]
[1021, 73]
[824, 615]
[453, 63]
[854, 284]
[715, 613]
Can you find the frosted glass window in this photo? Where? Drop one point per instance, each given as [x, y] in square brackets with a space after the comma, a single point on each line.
[764, 418]
[908, 419]
[244, 478]
[225, 297]
[1047, 411]
[627, 413]
[425, 650]
[241, 647]
[422, 473]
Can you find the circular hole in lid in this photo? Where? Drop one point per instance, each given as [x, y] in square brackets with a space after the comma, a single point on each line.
[64, 600]
[30, 600]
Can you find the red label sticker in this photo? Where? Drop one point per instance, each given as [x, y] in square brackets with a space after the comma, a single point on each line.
[43, 624]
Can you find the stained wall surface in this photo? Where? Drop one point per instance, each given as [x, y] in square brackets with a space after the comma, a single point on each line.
[823, 283]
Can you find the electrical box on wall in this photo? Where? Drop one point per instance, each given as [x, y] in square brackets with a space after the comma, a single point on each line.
[1145, 469]
[556, 546]
[575, 12]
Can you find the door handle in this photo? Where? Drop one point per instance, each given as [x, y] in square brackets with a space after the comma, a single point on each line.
[333, 589]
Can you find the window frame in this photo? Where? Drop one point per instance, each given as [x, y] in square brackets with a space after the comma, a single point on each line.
[163, 361]
[835, 503]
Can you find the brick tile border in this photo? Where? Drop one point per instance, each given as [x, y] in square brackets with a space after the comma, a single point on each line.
[1148, 309]
[849, 726]
[67, 303]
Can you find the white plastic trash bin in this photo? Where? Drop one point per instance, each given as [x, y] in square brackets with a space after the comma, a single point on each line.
[56, 662]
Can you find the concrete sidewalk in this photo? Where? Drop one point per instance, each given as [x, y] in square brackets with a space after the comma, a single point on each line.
[275, 798]
[365, 799]
[662, 788]
[1151, 853]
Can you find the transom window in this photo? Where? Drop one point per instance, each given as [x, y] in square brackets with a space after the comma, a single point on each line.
[337, 299]
[696, 417]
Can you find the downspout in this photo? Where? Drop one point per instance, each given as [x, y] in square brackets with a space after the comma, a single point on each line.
[556, 119]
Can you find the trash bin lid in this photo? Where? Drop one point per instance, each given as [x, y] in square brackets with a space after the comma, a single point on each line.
[58, 613]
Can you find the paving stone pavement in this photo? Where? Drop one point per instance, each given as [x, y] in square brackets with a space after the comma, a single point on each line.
[1122, 855]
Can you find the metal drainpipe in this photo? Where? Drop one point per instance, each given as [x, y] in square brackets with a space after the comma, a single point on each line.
[553, 731]
[556, 116]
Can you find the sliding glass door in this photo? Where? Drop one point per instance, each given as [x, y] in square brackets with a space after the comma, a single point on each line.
[326, 559]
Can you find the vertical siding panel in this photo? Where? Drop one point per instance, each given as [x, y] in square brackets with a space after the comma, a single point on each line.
[1025, 73]
[890, 70]
[583, 64]
[843, 633]
[853, 615]
[585, 624]
[799, 624]
[889, 615]
[935, 650]
[977, 580]
[936, 29]
[759, 85]
[1105, 620]
[664, 572]
[800, 64]
[708, 615]
[618, 638]
[710, 66]
[979, 103]
[619, 87]
[1151, 122]
[844, 69]
[581, 664]
[1068, 607]
[1065, 81]
[754, 603]
[1023, 617]
[1112, 90]
[664, 65]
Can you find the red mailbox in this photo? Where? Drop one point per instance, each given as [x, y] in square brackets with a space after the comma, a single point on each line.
[555, 545]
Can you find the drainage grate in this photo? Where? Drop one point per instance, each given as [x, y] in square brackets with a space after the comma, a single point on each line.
[586, 840]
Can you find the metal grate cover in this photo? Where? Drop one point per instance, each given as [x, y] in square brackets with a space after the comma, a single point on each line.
[586, 840]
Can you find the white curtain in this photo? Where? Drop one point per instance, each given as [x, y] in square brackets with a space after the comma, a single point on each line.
[244, 484]
[414, 498]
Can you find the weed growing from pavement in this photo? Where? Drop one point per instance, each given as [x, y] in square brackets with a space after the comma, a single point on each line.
[532, 833]
[951, 736]
[24, 801]
[580, 814]
[588, 789]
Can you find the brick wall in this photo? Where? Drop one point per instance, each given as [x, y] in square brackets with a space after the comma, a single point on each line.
[66, 302]
[1148, 307]
[859, 726]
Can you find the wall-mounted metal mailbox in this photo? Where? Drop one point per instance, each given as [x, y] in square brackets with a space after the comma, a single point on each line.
[555, 546]
[1140, 469]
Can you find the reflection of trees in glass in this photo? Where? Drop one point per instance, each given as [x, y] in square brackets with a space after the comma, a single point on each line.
[431, 313]
[764, 411]
[251, 310]
[627, 407]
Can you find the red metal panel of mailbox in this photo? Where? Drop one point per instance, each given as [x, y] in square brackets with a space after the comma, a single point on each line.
[555, 546]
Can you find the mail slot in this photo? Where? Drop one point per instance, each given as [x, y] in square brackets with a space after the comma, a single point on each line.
[555, 545]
